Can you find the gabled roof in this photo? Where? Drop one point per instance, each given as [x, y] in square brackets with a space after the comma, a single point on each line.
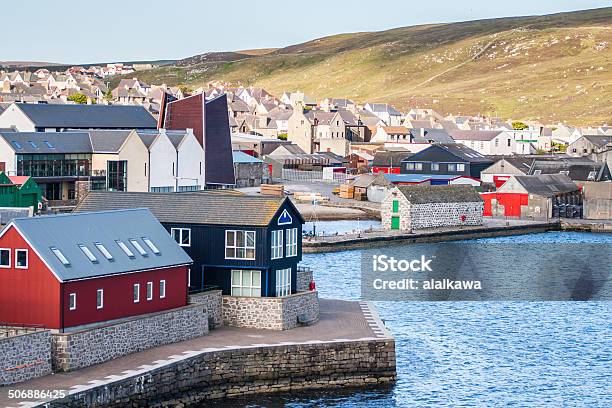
[390, 159]
[435, 152]
[18, 180]
[599, 140]
[88, 116]
[104, 227]
[431, 136]
[108, 141]
[384, 107]
[48, 142]
[190, 208]
[148, 138]
[576, 168]
[476, 135]
[546, 185]
[176, 137]
[242, 157]
[396, 130]
[366, 180]
[424, 194]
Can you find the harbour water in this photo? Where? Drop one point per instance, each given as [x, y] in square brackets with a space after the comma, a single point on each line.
[477, 354]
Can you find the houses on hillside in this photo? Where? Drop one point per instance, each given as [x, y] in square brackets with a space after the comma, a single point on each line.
[446, 159]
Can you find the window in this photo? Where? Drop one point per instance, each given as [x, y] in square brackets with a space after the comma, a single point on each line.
[509, 142]
[116, 171]
[49, 145]
[162, 289]
[21, 258]
[60, 256]
[5, 258]
[88, 253]
[17, 145]
[72, 301]
[277, 244]
[125, 248]
[139, 247]
[496, 142]
[32, 144]
[283, 282]
[537, 172]
[100, 299]
[414, 166]
[239, 244]
[151, 245]
[591, 175]
[435, 166]
[189, 188]
[452, 167]
[103, 250]
[246, 283]
[460, 167]
[292, 241]
[182, 236]
[149, 290]
[136, 292]
[168, 189]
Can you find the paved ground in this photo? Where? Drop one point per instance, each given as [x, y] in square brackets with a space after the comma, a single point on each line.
[339, 320]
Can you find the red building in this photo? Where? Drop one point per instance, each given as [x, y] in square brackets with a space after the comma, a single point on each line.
[70, 270]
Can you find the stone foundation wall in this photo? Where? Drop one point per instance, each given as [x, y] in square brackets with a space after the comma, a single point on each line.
[445, 214]
[213, 306]
[304, 276]
[190, 380]
[273, 313]
[102, 343]
[25, 356]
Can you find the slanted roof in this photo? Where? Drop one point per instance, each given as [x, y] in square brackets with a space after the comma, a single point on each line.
[190, 208]
[599, 140]
[176, 137]
[148, 138]
[476, 135]
[48, 142]
[108, 141]
[424, 194]
[546, 185]
[88, 116]
[437, 152]
[431, 136]
[104, 227]
[242, 157]
[576, 168]
[366, 180]
[396, 130]
[390, 159]
[19, 180]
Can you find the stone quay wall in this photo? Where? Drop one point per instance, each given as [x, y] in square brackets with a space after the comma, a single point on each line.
[304, 276]
[213, 306]
[445, 214]
[97, 344]
[190, 380]
[24, 356]
[273, 313]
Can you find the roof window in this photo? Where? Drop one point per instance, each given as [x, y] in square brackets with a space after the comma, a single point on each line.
[88, 253]
[139, 247]
[103, 250]
[151, 245]
[60, 256]
[125, 248]
[17, 145]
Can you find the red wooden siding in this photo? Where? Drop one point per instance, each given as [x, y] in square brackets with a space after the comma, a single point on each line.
[28, 296]
[187, 113]
[512, 203]
[118, 295]
[386, 170]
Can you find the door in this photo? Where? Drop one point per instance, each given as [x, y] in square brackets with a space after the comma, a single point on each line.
[395, 222]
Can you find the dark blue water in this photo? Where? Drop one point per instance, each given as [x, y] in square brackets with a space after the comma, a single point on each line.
[478, 354]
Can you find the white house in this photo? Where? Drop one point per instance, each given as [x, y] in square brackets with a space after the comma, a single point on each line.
[162, 161]
[189, 160]
[386, 112]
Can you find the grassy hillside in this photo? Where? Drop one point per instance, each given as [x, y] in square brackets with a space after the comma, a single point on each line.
[552, 68]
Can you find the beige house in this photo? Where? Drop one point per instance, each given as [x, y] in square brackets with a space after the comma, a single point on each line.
[300, 130]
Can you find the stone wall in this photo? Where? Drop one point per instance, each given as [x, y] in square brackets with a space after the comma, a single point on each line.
[190, 380]
[445, 214]
[304, 276]
[274, 313]
[24, 356]
[95, 345]
[213, 306]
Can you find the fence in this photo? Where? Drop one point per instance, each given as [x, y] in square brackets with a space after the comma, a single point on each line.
[303, 175]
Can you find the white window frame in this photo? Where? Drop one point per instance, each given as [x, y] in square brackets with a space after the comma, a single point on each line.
[235, 246]
[460, 167]
[276, 244]
[242, 286]
[283, 282]
[100, 305]
[126, 250]
[181, 231]
[149, 291]
[435, 166]
[9, 258]
[136, 291]
[291, 242]
[72, 301]
[162, 289]
[17, 250]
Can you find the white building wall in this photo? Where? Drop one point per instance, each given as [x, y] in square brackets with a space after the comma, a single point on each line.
[14, 117]
[190, 162]
[7, 155]
[163, 162]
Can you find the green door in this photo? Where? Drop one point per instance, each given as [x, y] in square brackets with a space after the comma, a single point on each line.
[395, 224]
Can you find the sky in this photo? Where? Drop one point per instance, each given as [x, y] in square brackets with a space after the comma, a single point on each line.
[73, 32]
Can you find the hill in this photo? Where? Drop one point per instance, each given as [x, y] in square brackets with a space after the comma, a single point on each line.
[550, 68]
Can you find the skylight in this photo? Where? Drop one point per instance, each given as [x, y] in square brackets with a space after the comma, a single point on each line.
[17, 144]
[88, 253]
[125, 248]
[151, 245]
[139, 247]
[60, 256]
[49, 145]
[104, 251]
[32, 144]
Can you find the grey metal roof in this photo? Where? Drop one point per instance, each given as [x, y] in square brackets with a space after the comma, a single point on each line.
[478, 135]
[599, 140]
[59, 142]
[190, 208]
[431, 135]
[390, 158]
[148, 138]
[176, 137]
[88, 116]
[422, 194]
[104, 227]
[108, 141]
[547, 185]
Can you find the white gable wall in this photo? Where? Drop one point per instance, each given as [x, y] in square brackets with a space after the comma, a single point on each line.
[163, 162]
[14, 117]
[190, 162]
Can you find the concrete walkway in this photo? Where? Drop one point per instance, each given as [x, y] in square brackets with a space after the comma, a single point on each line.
[339, 321]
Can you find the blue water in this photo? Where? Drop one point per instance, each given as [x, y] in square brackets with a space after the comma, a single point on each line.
[478, 354]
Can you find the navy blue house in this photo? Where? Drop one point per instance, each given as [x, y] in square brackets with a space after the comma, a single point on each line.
[245, 245]
[450, 159]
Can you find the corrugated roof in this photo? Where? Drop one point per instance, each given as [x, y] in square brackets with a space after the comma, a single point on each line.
[423, 194]
[106, 228]
[191, 208]
[546, 185]
[88, 116]
[48, 142]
